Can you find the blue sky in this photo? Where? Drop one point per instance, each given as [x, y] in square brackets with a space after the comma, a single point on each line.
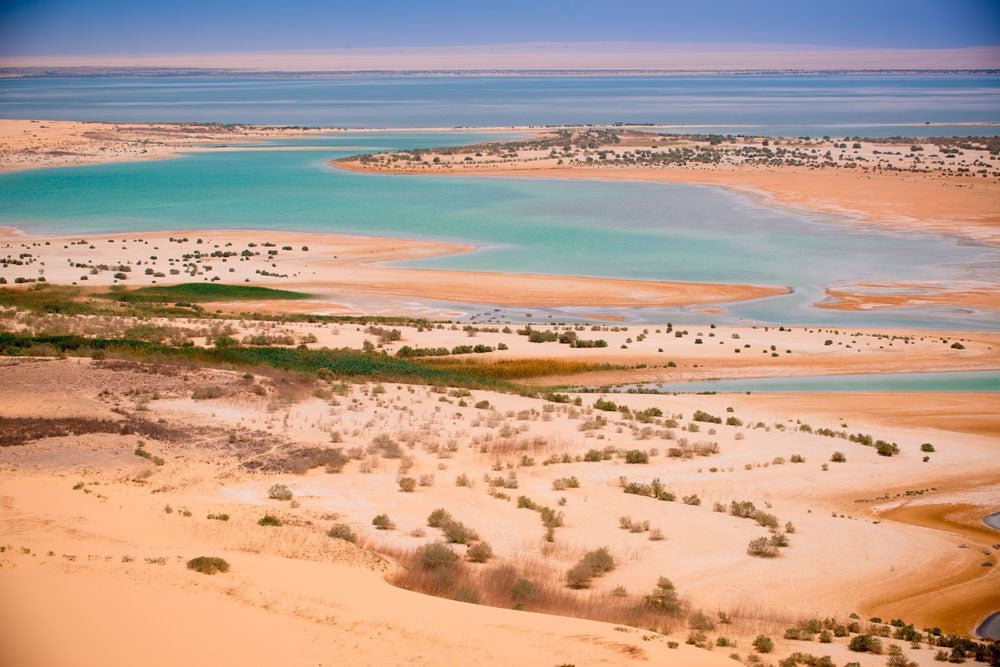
[64, 27]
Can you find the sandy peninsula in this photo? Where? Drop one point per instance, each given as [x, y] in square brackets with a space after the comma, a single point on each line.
[328, 265]
[949, 185]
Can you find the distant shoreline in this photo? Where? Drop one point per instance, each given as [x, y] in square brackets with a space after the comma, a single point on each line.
[8, 72]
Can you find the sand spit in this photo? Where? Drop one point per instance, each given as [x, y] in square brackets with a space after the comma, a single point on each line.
[947, 186]
[32, 144]
[327, 265]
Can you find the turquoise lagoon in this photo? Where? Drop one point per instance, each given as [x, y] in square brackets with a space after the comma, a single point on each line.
[598, 228]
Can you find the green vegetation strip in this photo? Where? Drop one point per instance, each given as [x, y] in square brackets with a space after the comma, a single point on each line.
[341, 363]
[201, 292]
[177, 301]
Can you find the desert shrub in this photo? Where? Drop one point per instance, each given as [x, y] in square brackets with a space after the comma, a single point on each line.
[208, 565]
[579, 576]
[761, 547]
[269, 520]
[279, 492]
[438, 517]
[636, 456]
[593, 564]
[927, 447]
[564, 483]
[699, 620]
[605, 405]
[435, 555]
[388, 447]
[886, 448]
[467, 595]
[693, 499]
[664, 598]
[407, 484]
[763, 644]
[383, 522]
[458, 533]
[523, 591]
[342, 531]
[838, 457]
[702, 416]
[218, 517]
[206, 393]
[865, 644]
[480, 552]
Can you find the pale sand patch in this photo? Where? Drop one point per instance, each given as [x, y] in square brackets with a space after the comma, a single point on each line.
[907, 295]
[330, 264]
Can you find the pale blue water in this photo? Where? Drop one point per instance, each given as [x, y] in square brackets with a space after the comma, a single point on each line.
[598, 228]
[839, 105]
[973, 381]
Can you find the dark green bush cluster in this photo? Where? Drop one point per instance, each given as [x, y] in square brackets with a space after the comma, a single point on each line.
[636, 456]
[865, 644]
[605, 405]
[597, 455]
[702, 416]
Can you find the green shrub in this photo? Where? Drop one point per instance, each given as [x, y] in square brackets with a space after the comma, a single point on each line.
[927, 447]
[438, 517]
[208, 565]
[458, 533]
[383, 522]
[865, 644]
[636, 456]
[763, 644]
[342, 531]
[664, 598]
[605, 405]
[700, 621]
[702, 416]
[269, 520]
[579, 576]
[838, 457]
[761, 547]
[523, 591]
[436, 555]
[480, 552]
[407, 484]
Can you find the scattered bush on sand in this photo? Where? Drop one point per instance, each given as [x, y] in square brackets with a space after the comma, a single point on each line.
[208, 565]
